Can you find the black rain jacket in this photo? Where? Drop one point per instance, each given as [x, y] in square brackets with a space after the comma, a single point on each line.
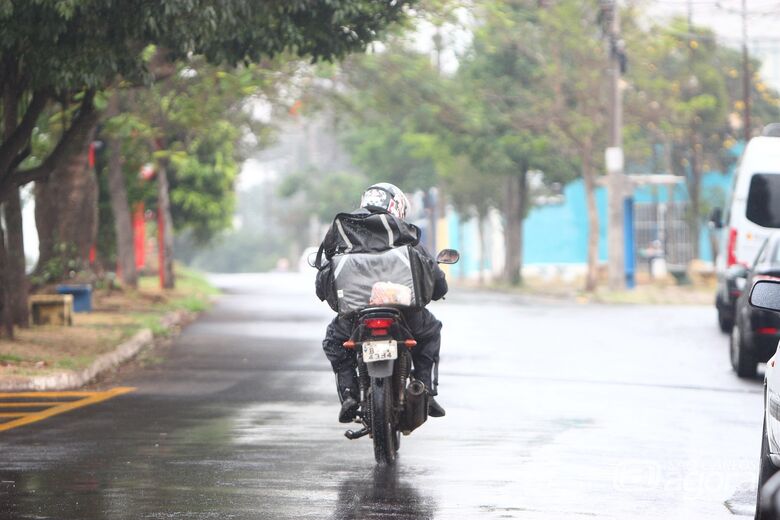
[364, 231]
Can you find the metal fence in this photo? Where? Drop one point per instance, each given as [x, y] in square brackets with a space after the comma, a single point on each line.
[662, 231]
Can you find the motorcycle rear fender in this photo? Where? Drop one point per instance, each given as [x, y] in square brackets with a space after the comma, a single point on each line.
[381, 368]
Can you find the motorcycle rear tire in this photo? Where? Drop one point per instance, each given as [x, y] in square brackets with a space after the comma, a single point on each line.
[384, 432]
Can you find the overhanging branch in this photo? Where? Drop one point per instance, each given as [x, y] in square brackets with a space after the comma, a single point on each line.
[16, 142]
[68, 144]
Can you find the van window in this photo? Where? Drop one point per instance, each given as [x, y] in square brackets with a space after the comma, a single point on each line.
[763, 202]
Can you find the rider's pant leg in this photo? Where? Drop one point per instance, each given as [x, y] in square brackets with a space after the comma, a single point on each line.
[427, 331]
[342, 360]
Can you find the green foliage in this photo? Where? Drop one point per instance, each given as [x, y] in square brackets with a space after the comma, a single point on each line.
[153, 323]
[192, 125]
[71, 43]
[65, 264]
[65, 51]
[202, 182]
[396, 113]
[684, 88]
[324, 194]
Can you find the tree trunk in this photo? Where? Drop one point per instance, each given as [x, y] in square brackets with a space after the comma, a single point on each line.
[66, 213]
[15, 272]
[515, 213]
[46, 207]
[482, 248]
[522, 212]
[123, 221]
[694, 191]
[591, 277]
[165, 222]
[17, 285]
[461, 268]
[511, 233]
[5, 300]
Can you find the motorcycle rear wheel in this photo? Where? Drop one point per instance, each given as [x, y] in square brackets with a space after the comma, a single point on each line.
[386, 437]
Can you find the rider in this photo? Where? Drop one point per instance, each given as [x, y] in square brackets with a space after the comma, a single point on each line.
[387, 199]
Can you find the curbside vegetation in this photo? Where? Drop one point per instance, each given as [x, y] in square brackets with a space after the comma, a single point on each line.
[123, 323]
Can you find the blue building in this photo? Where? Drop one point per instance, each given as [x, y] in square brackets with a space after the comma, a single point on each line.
[558, 234]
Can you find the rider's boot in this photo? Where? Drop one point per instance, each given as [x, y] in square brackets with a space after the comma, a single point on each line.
[349, 395]
[434, 408]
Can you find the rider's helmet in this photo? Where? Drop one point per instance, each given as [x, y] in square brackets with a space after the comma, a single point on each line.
[385, 197]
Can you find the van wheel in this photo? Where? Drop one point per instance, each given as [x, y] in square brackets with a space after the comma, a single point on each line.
[742, 360]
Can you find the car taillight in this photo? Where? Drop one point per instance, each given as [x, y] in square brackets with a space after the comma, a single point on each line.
[731, 249]
[770, 331]
[378, 323]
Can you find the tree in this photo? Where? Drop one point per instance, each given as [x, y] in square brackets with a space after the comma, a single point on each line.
[506, 95]
[191, 125]
[56, 50]
[575, 76]
[685, 97]
[395, 102]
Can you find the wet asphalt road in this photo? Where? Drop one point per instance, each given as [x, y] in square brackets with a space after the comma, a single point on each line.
[554, 410]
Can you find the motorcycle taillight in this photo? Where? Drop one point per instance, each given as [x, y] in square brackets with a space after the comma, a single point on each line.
[378, 326]
[378, 323]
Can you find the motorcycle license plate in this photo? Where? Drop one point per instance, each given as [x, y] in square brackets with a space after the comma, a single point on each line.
[379, 350]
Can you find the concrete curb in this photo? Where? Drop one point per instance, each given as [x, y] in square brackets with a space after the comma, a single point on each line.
[70, 379]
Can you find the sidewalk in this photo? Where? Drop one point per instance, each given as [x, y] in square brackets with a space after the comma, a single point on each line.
[122, 324]
[701, 293]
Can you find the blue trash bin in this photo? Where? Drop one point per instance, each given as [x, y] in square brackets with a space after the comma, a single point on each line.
[82, 296]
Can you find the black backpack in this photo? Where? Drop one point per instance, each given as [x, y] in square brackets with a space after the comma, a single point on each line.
[365, 232]
[372, 232]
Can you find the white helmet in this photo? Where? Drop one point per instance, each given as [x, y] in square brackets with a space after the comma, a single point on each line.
[387, 197]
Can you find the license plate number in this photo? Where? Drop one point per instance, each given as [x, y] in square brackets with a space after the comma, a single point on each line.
[379, 350]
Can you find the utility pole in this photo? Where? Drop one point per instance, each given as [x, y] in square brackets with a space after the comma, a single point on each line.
[614, 155]
[746, 74]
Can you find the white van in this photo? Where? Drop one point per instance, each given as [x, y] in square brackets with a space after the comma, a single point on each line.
[752, 215]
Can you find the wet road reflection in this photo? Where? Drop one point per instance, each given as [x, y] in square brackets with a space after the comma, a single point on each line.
[381, 492]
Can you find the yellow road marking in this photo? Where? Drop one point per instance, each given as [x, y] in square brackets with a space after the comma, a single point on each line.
[31, 404]
[88, 398]
[70, 393]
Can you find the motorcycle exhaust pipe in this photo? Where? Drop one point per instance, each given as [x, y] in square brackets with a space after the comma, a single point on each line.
[415, 408]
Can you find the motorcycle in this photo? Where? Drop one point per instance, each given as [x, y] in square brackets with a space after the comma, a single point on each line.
[392, 401]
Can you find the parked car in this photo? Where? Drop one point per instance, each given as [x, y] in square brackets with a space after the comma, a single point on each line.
[752, 214]
[756, 332]
[765, 296]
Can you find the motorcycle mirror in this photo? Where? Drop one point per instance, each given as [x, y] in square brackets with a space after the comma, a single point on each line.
[311, 259]
[766, 295]
[448, 256]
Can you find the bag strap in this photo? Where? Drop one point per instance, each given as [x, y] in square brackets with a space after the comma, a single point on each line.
[318, 260]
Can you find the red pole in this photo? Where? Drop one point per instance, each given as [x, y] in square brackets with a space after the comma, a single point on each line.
[139, 236]
[161, 247]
